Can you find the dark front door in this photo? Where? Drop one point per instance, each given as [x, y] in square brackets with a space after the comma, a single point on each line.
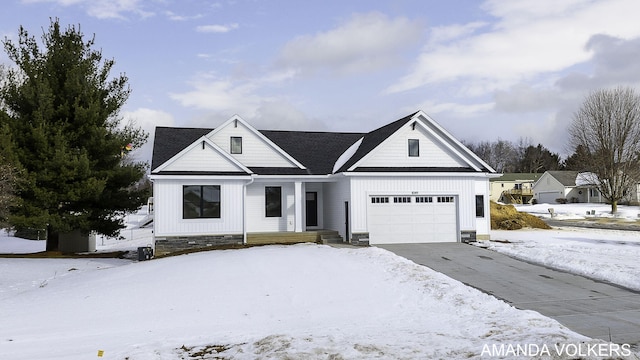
[312, 208]
[346, 220]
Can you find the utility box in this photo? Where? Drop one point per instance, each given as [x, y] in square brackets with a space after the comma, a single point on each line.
[145, 253]
[77, 241]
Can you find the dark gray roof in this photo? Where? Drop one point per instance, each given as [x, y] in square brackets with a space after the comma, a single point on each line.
[169, 141]
[566, 178]
[317, 151]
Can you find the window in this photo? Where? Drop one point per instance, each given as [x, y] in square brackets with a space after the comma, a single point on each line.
[445, 199]
[379, 200]
[414, 147]
[479, 205]
[402, 199]
[236, 145]
[273, 201]
[200, 201]
[424, 199]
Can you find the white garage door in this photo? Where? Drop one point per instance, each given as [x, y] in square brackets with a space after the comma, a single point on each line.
[412, 219]
[549, 197]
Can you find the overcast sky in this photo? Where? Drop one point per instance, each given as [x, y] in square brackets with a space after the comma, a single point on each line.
[498, 69]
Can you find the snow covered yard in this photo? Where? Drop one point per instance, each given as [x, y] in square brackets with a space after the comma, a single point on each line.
[610, 255]
[298, 302]
[303, 301]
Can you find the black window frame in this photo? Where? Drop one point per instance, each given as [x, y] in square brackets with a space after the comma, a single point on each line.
[195, 204]
[480, 206]
[273, 201]
[413, 151]
[233, 149]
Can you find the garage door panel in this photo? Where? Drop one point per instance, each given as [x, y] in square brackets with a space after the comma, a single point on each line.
[412, 222]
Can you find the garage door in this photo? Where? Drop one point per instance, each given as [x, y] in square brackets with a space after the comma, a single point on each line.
[549, 197]
[412, 219]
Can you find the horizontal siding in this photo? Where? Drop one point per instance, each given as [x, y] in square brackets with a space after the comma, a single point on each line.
[394, 151]
[168, 219]
[255, 151]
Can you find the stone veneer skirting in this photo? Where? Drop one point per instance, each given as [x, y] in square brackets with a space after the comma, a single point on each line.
[169, 244]
[467, 236]
[360, 239]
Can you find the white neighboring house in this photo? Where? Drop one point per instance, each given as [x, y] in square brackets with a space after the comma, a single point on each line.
[407, 182]
[572, 186]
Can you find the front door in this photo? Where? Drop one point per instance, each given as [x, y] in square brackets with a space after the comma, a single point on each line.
[312, 208]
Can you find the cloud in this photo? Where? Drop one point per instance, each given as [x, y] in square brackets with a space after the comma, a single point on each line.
[218, 29]
[103, 9]
[177, 17]
[147, 119]
[366, 42]
[527, 40]
[232, 95]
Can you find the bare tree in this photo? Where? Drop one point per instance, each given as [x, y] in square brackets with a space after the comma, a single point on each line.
[607, 126]
[500, 154]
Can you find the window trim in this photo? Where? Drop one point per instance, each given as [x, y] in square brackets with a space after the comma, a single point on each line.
[416, 147]
[201, 205]
[271, 212]
[479, 206]
[233, 149]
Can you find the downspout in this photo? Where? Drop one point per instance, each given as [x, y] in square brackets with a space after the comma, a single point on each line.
[244, 210]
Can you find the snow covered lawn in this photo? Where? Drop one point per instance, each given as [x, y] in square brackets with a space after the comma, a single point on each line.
[298, 302]
[303, 301]
[610, 255]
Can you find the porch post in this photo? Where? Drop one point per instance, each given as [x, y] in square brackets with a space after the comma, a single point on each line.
[299, 200]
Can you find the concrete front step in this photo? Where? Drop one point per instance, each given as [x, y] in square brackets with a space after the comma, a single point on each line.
[331, 239]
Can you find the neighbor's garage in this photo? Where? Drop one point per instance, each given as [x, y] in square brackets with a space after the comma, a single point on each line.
[397, 219]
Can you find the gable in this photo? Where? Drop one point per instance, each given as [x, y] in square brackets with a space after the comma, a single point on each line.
[257, 150]
[168, 141]
[395, 151]
[387, 149]
[202, 156]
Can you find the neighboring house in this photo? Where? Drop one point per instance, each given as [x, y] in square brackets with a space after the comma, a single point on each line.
[571, 186]
[406, 182]
[513, 188]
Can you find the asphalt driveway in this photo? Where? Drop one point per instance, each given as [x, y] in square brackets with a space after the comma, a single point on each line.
[592, 308]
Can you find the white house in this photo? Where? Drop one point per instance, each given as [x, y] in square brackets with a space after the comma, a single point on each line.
[406, 182]
[569, 186]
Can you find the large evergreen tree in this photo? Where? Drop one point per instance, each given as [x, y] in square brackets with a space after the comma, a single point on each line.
[61, 109]
[538, 159]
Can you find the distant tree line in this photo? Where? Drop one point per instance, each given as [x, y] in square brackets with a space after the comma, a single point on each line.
[605, 136]
[520, 157]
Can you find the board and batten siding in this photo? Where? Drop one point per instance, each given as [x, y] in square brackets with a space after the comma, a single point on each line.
[257, 221]
[363, 187]
[395, 151]
[202, 158]
[168, 199]
[335, 194]
[256, 152]
[483, 224]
